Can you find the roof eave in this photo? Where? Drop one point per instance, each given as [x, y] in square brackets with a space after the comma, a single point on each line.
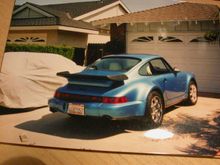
[97, 23]
[54, 27]
[128, 18]
[34, 8]
[102, 9]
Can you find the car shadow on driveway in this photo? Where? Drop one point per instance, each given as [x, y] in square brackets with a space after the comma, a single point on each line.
[62, 125]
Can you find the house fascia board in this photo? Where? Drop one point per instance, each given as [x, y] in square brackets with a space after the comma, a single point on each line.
[105, 22]
[27, 5]
[102, 9]
[56, 27]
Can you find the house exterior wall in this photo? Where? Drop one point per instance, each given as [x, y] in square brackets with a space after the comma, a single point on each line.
[67, 38]
[52, 37]
[73, 39]
[48, 37]
[28, 37]
[96, 39]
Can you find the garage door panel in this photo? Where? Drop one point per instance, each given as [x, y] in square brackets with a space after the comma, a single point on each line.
[209, 85]
[203, 59]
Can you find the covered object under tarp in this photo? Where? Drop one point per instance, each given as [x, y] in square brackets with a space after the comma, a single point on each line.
[28, 80]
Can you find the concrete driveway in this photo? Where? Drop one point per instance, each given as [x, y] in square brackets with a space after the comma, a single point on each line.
[186, 130]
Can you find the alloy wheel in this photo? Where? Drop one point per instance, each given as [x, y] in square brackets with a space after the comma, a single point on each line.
[156, 109]
[193, 93]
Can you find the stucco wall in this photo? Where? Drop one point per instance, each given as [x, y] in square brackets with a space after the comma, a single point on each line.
[50, 37]
[78, 40]
[31, 37]
[6, 7]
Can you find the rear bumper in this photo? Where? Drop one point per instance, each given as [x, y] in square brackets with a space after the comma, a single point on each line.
[130, 110]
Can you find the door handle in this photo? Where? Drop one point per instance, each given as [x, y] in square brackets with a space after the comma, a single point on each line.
[165, 80]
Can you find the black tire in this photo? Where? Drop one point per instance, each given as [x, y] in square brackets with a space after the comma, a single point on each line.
[76, 117]
[154, 110]
[192, 94]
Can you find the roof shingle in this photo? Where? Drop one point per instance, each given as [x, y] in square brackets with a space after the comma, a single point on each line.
[64, 14]
[213, 2]
[79, 8]
[184, 11]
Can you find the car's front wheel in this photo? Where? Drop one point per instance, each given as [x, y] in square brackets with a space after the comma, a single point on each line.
[154, 110]
[192, 94]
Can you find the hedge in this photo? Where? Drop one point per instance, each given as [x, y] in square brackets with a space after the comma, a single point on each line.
[64, 51]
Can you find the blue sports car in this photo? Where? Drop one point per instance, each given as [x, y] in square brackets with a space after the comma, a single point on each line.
[125, 86]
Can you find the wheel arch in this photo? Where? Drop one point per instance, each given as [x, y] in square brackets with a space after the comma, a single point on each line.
[191, 79]
[158, 90]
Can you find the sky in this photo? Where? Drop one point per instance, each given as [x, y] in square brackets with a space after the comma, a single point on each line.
[133, 5]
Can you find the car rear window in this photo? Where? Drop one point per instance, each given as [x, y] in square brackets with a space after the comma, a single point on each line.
[115, 64]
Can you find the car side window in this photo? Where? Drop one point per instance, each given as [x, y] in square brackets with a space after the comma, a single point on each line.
[146, 70]
[158, 67]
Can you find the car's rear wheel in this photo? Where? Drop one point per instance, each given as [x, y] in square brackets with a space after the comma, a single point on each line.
[192, 93]
[76, 117]
[154, 110]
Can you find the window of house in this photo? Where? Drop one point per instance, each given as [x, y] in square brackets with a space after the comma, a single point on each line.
[29, 39]
[169, 39]
[144, 39]
[204, 39]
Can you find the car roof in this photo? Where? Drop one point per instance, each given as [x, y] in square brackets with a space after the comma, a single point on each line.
[138, 56]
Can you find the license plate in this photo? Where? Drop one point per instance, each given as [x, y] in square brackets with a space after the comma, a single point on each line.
[76, 109]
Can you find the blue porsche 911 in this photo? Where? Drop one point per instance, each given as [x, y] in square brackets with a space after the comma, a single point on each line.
[124, 87]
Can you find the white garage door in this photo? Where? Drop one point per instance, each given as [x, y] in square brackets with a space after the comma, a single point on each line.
[188, 52]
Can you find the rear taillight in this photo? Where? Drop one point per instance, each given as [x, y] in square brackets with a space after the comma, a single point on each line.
[114, 100]
[57, 94]
[84, 98]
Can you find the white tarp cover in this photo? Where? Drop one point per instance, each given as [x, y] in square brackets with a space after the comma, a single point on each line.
[28, 80]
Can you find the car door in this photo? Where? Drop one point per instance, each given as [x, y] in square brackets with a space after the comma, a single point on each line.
[171, 82]
[180, 80]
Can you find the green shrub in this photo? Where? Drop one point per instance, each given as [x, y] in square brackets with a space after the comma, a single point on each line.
[64, 51]
[212, 35]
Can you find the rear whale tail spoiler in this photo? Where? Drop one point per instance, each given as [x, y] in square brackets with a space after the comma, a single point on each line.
[67, 74]
[120, 77]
